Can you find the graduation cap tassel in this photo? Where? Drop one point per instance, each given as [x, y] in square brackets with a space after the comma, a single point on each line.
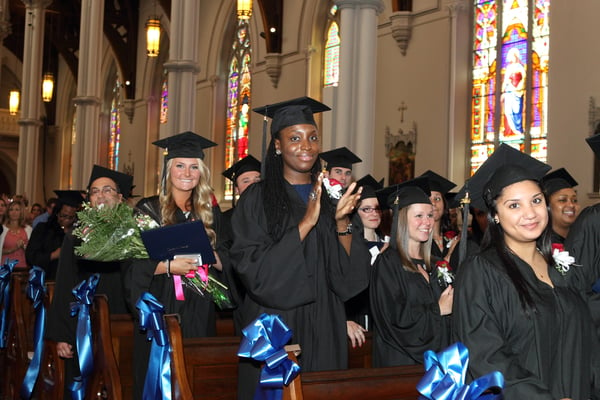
[394, 229]
[462, 248]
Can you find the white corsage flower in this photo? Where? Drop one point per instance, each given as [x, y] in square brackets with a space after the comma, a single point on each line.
[562, 259]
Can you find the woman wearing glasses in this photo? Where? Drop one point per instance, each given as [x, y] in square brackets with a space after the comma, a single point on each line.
[366, 222]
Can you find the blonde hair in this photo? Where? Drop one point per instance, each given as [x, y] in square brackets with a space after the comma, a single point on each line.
[21, 215]
[402, 238]
[200, 202]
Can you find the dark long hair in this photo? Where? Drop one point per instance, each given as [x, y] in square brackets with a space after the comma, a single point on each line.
[276, 202]
[494, 238]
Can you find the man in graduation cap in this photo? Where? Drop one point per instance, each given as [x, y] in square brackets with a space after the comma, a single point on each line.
[514, 307]
[582, 242]
[106, 187]
[339, 165]
[286, 250]
[242, 174]
[43, 249]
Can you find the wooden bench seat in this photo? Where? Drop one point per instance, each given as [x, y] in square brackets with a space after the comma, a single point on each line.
[397, 383]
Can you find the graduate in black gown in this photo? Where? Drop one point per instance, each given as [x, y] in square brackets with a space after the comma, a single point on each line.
[242, 174]
[514, 308]
[185, 195]
[106, 188]
[561, 197]
[583, 243]
[365, 223]
[43, 249]
[410, 309]
[286, 249]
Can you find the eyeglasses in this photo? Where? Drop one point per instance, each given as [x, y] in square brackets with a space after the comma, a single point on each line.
[64, 216]
[369, 210]
[106, 190]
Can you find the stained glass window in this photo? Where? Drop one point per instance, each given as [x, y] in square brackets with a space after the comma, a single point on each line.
[510, 77]
[238, 99]
[115, 128]
[332, 52]
[164, 101]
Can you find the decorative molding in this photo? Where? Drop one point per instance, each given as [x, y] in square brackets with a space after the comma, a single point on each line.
[129, 108]
[273, 67]
[401, 28]
[409, 138]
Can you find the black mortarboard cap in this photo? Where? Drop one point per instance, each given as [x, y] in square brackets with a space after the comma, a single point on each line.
[185, 145]
[340, 157]
[438, 183]
[291, 112]
[246, 164]
[557, 180]
[72, 198]
[370, 185]
[449, 196]
[414, 191]
[503, 168]
[123, 181]
[594, 143]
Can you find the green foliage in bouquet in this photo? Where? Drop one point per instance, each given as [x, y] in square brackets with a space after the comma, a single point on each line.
[111, 233]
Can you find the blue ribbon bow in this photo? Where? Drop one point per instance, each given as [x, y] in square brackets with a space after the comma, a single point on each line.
[84, 293]
[445, 376]
[5, 271]
[158, 376]
[264, 340]
[36, 292]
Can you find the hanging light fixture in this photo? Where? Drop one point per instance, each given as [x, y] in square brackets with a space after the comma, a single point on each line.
[13, 102]
[244, 9]
[152, 36]
[47, 87]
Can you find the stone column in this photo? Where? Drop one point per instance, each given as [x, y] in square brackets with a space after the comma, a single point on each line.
[89, 92]
[30, 123]
[182, 66]
[355, 114]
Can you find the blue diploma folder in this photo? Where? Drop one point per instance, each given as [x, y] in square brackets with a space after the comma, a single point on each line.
[171, 240]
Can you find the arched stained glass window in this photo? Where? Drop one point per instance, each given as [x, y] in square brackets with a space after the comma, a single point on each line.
[510, 77]
[238, 99]
[332, 51]
[164, 101]
[115, 128]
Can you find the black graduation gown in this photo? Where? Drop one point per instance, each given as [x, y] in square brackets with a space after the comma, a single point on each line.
[583, 243]
[550, 354]
[305, 282]
[45, 238]
[406, 314]
[196, 313]
[60, 326]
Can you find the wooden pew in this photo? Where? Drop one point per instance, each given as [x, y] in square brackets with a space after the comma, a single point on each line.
[17, 344]
[397, 383]
[361, 357]
[204, 368]
[105, 381]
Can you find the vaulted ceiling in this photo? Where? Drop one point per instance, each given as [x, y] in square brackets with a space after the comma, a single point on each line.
[120, 28]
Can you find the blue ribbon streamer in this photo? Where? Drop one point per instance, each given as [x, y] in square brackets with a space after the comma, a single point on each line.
[84, 293]
[444, 378]
[158, 377]
[5, 271]
[264, 340]
[36, 291]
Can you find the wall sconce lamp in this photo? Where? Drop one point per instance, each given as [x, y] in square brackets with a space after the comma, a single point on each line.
[13, 102]
[47, 87]
[244, 9]
[152, 36]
